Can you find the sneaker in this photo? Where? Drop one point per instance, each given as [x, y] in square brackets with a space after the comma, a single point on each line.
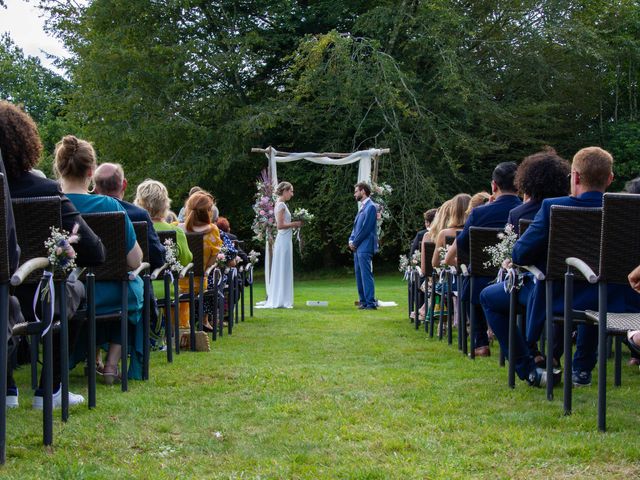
[74, 399]
[581, 379]
[12, 397]
[537, 378]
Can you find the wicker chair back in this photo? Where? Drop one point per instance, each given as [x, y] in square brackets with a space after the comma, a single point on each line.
[429, 248]
[523, 225]
[4, 241]
[110, 227]
[479, 239]
[195, 241]
[143, 239]
[620, 241]
[573, 232]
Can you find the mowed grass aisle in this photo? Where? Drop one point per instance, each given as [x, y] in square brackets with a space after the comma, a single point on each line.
[329, 393]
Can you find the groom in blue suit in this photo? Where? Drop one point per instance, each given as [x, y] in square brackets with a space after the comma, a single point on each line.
[363, 242]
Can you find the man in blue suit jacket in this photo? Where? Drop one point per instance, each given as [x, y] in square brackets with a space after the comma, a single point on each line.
[363, 242]
[591, 174]
[492, 215]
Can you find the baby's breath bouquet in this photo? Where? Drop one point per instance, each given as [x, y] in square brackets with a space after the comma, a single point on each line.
[500, 254]
[60, 252]
[403, 264]
[221, 258]
[171, 255]
[253, 257]
[415, 259]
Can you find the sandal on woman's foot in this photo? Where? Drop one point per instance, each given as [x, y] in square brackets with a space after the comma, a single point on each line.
[634, 347]
[110, 375]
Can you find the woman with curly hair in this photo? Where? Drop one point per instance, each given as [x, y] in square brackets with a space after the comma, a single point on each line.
[21, 148]
[542, 175]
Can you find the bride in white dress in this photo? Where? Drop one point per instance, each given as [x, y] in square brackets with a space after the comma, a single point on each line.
[280, 291]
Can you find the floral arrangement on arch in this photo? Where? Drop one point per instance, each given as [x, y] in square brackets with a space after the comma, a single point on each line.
[380, 192]
[264, 222]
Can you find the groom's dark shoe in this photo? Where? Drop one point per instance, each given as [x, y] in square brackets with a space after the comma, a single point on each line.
[361, 307]
[371, 307]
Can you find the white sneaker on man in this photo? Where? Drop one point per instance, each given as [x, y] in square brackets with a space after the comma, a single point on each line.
[74, 399]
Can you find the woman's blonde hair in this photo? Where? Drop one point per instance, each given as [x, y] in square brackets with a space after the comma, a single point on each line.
[459, 205]
[478, 199]
[198, 210]
[74, 158]
[153, 196]
[441, 220]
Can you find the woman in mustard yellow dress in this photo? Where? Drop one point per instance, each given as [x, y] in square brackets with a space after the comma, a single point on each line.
[199, 218]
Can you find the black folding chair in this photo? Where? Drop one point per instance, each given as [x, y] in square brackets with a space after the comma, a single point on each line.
[33, 218]
[427, 250]
[566, 225]
[618, 255]
[479, 239]
[143, 240]
[110, 227]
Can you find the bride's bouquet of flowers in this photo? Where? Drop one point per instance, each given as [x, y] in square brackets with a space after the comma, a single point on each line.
[500, 256]
[379, 195]
[301, 214]
[264, 222]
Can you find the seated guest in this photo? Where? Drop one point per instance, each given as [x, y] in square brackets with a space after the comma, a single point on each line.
[225, 229]
[591, 174]
[539, 176]
[75, 164]
[440, 222]
[199, 218]
[21, 149]
[153, 197]
[457, 207]
[633, 186]
[493, 215]
[429, 215]
[183, 210]
[109, 180]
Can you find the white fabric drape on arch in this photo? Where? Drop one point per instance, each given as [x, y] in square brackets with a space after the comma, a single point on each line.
[275, 157]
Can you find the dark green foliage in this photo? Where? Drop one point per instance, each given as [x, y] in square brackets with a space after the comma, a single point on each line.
[180, 90]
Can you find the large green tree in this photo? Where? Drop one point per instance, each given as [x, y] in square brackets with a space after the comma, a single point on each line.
[182, 89]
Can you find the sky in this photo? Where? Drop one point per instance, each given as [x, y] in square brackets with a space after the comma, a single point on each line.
[25, 26]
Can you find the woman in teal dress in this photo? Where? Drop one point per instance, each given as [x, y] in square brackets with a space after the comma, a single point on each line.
[75, 162]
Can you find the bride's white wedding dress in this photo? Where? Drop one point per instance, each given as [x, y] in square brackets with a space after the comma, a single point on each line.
[280, 291]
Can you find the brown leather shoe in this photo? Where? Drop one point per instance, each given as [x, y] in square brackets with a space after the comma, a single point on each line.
[482, 351]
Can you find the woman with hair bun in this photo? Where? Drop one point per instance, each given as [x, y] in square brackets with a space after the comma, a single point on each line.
[75, 163]
[280, 291]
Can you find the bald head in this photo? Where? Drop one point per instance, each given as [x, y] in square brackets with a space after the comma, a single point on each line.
[109, 180]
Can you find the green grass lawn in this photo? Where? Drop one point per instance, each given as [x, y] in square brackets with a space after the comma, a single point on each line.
[328, 393]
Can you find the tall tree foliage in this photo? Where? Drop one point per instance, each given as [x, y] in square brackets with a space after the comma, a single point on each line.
[181, 89]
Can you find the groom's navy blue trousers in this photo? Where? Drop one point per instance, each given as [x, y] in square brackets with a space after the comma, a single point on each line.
[364, 278]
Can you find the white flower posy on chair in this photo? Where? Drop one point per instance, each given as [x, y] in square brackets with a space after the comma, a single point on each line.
[171, 256]
[500, 254]
[253, 257]
[60, 252]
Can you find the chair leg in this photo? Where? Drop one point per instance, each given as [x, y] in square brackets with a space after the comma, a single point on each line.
[146, 326]
[192, 314]
[176, 313]
[463, 326]
[472, 322]
[430, 322]
[201, 304]
[47, 375]
[549, 330]
[602, 363]
[449, 309]
[4, 325]
[91, 305]
[242, 280]
[124, 335]
[251, 298]
[167, 316]
[64, 348]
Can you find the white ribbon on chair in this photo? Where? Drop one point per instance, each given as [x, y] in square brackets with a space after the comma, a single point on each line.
[49, 280]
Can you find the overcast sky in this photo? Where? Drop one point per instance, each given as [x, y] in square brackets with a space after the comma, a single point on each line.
[24, 23]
